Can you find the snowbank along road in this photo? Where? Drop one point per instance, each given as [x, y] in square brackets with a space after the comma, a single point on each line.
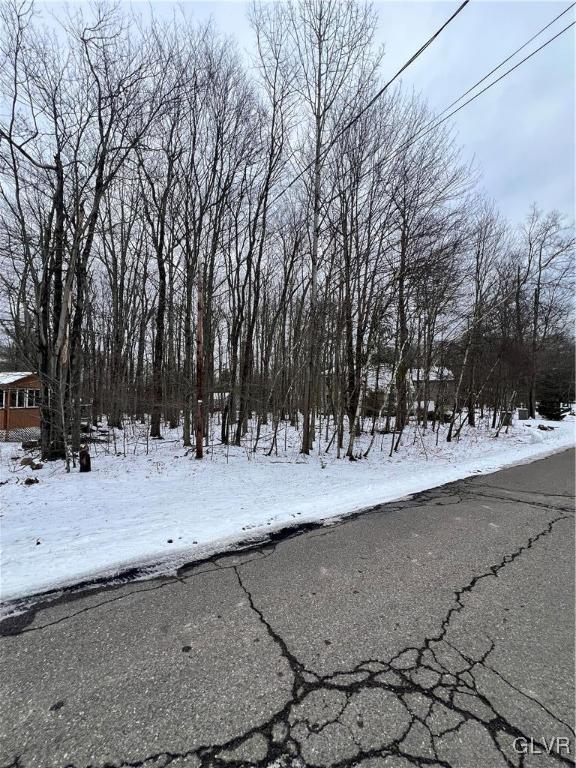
[431, 632]
[159, 511]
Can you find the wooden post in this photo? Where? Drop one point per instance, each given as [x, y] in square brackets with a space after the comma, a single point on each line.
[199, 426]
[6, 414]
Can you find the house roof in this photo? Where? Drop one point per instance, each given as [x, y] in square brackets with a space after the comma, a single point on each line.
[435, 374]
[10, 377]
[415, 374]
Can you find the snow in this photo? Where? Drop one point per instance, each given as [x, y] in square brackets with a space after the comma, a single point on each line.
[416, 376]
[9, 377]
[435, 374]
[74, 527]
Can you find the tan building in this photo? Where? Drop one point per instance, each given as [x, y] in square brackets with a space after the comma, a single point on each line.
[19, 404]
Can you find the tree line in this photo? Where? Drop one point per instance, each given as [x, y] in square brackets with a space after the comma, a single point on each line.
[184, 232]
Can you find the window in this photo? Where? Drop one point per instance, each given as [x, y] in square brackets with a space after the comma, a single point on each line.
[18, 398]
[21, 398]
[33, 398]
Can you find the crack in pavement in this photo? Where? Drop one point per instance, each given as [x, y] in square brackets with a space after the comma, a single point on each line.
[515, 500]
[430, 689]
[26, 611]
[531, 698]
[518, 490]
[493, 572]
[18, 624]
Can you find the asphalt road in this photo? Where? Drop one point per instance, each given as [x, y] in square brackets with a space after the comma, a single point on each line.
[438, 631]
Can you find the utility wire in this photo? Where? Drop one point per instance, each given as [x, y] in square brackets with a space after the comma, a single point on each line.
[505, 74]
[506, 60]
[385, 87]
[442, 117]
[373, 100]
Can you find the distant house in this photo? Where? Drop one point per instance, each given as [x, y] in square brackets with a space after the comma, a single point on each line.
[19, 403]
[440, 385]
[440, 388]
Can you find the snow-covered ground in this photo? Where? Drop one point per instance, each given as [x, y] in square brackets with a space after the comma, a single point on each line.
[154, 505]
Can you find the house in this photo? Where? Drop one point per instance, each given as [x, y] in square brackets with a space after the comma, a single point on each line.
[440, 386]
[380, 389]
[19, 404]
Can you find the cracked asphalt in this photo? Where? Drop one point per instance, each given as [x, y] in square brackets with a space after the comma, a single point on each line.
[432, 632]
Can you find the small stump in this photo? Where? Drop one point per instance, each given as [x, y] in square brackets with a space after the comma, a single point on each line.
[84, 459]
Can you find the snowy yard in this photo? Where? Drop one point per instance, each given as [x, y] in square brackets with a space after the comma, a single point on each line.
[154, 505]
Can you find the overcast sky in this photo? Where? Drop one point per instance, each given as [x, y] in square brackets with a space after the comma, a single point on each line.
[521, 132]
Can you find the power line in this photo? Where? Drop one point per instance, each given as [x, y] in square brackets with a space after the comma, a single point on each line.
[494, 82]
[506, 60]
[374, 99]
[442, 117]
[385, 87]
